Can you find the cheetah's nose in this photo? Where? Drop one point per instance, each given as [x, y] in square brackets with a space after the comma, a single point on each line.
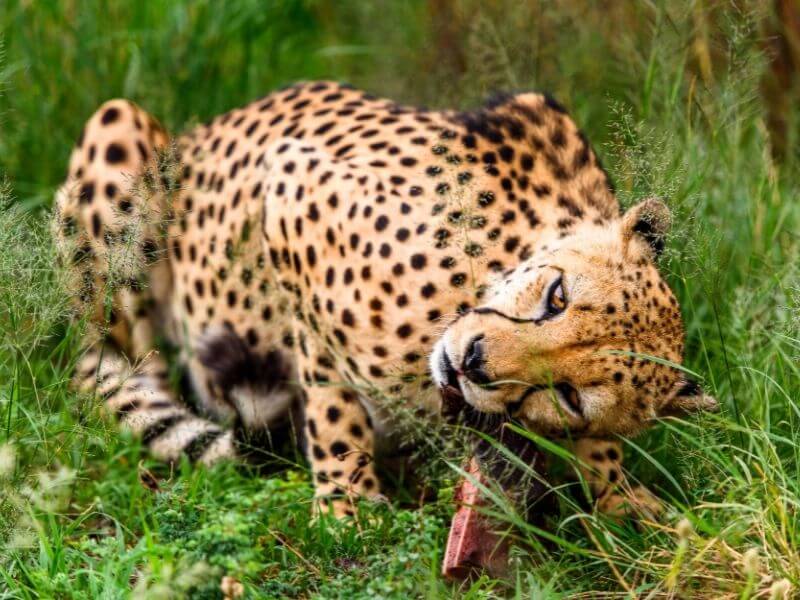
[474, 362]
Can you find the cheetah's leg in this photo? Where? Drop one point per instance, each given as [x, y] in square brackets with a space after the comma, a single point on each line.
[600, 464]
[341, 440]
[339, 432]
[108, 230]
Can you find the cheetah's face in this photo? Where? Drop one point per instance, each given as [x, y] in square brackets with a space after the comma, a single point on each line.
[563, 342]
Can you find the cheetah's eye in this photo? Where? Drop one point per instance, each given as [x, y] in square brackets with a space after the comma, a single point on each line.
[556, 298]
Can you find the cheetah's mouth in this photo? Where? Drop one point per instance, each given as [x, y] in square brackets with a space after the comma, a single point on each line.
[462, 388]
[456, 408]
[453, 400]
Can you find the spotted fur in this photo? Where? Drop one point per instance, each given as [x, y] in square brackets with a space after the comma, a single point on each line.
[324, 243]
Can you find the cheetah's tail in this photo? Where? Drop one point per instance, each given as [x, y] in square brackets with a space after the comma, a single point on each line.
[140, 398]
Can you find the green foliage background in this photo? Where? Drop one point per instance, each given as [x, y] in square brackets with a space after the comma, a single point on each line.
[671, 95]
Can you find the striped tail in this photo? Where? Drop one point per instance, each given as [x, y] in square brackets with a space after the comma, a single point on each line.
[140, 398]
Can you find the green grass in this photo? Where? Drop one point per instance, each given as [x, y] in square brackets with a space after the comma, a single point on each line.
[77, 518]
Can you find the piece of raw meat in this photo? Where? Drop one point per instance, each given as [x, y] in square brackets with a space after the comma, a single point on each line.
[472, 544]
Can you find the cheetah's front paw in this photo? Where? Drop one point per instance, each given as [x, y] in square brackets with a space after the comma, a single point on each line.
[637, 502]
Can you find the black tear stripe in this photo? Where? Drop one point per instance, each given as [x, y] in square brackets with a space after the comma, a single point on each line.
[232, 363]
[154, 430]
[200, 443]
[492, 311]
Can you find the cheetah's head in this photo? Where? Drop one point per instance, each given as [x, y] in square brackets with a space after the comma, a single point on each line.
[578, 337]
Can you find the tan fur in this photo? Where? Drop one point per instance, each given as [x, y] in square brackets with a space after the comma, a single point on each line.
[334, 236]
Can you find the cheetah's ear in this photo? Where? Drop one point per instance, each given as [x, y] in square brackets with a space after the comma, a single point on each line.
[649, 220]
[689, 399]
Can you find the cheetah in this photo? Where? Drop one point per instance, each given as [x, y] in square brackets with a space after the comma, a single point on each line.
[322, 248]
